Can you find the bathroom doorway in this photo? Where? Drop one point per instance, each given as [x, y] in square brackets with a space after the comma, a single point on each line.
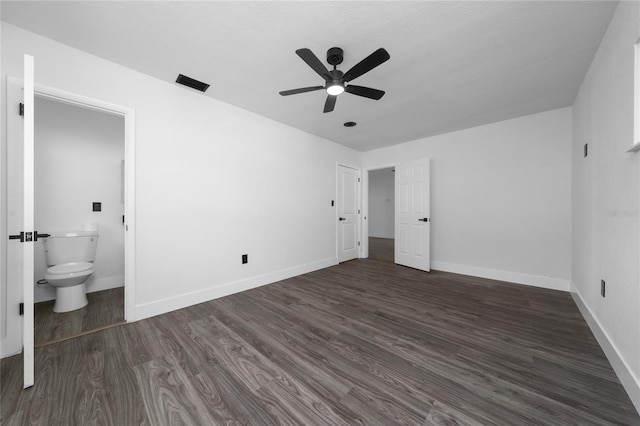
[382, 214]
[79, 186]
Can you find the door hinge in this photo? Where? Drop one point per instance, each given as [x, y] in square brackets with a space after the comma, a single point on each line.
[21, 109]
[358, 179]
[358, 242]
[358, 211]
[21, 308]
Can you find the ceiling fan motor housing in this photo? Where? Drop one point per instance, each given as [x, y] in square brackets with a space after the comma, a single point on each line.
[334, 56]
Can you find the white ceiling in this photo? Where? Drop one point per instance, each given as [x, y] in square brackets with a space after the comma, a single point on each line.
[453, 65]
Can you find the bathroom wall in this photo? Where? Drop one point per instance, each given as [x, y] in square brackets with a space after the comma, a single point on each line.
[78, 154]
[381, 203]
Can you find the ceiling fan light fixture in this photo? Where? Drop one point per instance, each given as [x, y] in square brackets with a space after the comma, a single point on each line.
[335, 89]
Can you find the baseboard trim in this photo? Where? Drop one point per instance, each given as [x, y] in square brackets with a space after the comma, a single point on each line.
[496, 274]
[162, 306]
[629, 381]
[389, 237]
[105, 283]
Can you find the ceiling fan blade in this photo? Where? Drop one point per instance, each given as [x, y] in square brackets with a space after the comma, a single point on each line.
[301, 90]
[367, 92]
[330, 103]
[315, 64]
[367, 64]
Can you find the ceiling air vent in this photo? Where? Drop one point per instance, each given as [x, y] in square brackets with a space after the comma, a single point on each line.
[191, 82]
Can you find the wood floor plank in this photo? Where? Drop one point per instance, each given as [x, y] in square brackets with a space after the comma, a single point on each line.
[219, 401]
[139, 342]
[366, 342]
[168, 395]
[244, 404]
[234, 355]
[274, 383]
[443, 415]
[301, 402]
[327, 383]
[10, 386]
[104, 308]
[377, 408]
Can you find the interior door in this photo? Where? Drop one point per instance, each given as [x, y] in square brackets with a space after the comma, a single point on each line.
[413, 223]
[347, 213]
[20, 248]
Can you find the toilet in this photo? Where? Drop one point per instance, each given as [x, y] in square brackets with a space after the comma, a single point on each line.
[70, 257]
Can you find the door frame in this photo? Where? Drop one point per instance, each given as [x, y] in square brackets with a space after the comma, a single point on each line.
[99, 105]
[365, 207]
[360, 207]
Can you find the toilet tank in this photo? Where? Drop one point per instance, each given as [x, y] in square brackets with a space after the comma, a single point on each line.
[67, 247]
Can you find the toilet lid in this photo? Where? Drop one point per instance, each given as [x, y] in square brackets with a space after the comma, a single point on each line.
[68, 268]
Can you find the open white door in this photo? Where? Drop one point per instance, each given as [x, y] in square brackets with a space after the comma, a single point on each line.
[347, 213]
[413, 222]
[20, 250]
[28, 225]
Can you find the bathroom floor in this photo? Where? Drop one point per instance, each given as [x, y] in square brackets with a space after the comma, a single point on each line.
[105, 308]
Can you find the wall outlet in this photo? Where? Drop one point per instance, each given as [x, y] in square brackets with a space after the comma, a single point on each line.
[245, 258]
[602, 287]
[97, 206]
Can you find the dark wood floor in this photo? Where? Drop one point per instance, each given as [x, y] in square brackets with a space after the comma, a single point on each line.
[105, 307]
[365, 342]
[381, 249]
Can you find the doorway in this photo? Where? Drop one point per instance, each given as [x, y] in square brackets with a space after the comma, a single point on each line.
[13, 338]
[411, 218]
[79, 187]
[348, 213]
[381, 214]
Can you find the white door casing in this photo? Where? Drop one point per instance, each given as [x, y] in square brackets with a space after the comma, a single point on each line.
[347, 208]
[412, 218]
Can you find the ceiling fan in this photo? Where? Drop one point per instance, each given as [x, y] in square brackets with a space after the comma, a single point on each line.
[335, 80]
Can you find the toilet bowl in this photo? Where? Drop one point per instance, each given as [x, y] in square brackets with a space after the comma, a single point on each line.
[70, 258]
[69, 281]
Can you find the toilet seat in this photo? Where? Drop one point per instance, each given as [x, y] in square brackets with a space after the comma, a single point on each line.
[69, 268]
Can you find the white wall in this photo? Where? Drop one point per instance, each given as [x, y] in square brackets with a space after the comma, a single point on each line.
[606, 196]
[500, 197]
[381, 203]
[212, 181]
[78, 154]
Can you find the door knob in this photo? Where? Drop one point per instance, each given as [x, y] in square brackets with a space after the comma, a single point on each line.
[424, 219]
[19, 236]
[40, 236]
[342, 218]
